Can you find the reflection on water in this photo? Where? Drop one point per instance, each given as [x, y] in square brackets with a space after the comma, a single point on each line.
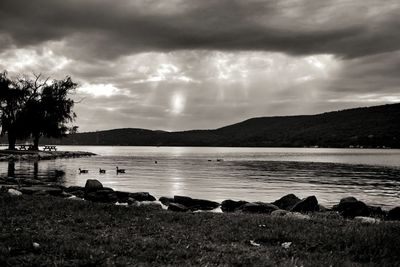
[31, 169]
[250, 174]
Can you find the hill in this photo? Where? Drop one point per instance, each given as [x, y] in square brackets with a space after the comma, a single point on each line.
[377, 126]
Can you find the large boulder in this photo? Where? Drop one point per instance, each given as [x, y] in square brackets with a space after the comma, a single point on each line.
[203, 204]
[258, 207]
[232, 205]
[142, 196]
[196, 204]
[177, 207]
[104, 196]
[92, 185]
[123, 197]
[350, 207]
[287, 202]
[186, 201]
[394, 214]
[308, 204]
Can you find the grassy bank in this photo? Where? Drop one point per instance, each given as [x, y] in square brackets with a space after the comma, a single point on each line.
[73, 233]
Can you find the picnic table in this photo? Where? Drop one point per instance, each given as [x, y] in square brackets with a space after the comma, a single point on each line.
[25, 147]
[49, 148]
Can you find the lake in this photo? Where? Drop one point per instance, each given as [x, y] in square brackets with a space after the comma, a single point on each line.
[252, 174]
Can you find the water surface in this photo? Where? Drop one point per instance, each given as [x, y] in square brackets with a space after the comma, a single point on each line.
[252, 174]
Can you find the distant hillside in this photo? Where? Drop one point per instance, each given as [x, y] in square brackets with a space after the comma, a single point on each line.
[377, 126]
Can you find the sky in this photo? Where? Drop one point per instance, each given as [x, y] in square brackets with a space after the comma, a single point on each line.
[190, 64]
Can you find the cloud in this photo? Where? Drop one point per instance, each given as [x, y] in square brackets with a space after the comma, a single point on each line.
[109, 29]
[184, 64]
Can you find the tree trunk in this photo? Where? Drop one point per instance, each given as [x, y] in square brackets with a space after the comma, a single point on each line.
[12, 139]
[36, 143]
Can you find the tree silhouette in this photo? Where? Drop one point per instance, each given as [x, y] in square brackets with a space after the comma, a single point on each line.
[35, 108]
[14, 94]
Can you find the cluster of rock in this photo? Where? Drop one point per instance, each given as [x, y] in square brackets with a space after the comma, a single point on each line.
[96, 192]
[41, 155]
[289, 205]
[182, 203]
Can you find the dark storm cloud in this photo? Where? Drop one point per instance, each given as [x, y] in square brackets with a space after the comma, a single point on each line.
[106, 29]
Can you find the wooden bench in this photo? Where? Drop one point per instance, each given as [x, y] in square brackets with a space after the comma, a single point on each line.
[50, 148]
[25, 147]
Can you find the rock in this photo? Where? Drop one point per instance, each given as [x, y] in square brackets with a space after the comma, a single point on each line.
[258, 207]
[132, 201]
[308, 204]
[166, 200]
[376, 212]
[36, 246]
[196, 204]
[232, 205]
[74, 188]
[348, 199]
[92, 185]
[203, 204]
[142, 196]
[105, 196]
[122, 196]
[107, 189]
[394, 214]
[286, 245]
[366, 220]
[287, 202]
[323, 208]
[41, 190]
[5, 187]
[350, 207]
[186, 201]
[78, 193]
[14, 193]
[177, 207]
[279, 213]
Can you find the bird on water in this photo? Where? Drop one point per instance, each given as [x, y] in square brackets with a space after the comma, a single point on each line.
[83, 171]
[120, 170]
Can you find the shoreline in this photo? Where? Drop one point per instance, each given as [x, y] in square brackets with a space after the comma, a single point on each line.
[43, 223]
[94, 191]
[18, 155]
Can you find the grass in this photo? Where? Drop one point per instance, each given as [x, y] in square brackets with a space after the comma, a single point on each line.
[80, 233]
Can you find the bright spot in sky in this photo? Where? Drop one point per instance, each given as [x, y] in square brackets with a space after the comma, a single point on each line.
[99, 89]
[177, 103]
